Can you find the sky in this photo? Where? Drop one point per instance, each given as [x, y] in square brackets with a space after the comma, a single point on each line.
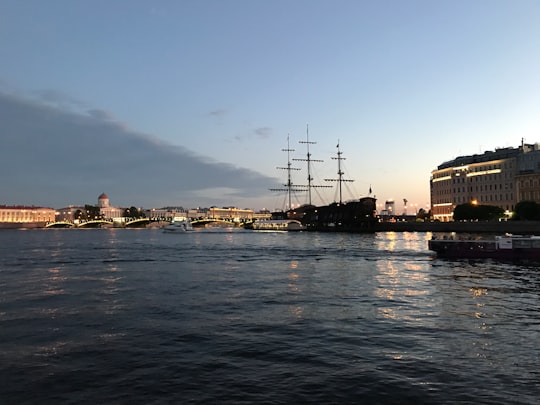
[191, 103]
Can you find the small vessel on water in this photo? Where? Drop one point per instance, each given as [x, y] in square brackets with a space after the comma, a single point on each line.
[178, 226]
[506, 247]
[278, 225]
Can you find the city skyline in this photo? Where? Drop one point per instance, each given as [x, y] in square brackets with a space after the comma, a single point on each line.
[190, 103]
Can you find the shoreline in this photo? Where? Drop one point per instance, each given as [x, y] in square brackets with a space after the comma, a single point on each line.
[514, 227]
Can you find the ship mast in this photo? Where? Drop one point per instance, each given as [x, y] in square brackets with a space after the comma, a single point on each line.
[309, 160]
[290, 188]
[340, 173]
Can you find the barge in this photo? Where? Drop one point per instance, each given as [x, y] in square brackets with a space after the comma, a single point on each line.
[505, 247]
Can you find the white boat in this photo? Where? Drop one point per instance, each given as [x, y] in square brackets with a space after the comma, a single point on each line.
[178, 226]
[278, 225]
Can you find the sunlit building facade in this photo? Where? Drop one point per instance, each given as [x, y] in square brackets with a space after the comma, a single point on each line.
[25, 216]
[105, 208]
[230, 213]
[68, 213]
[501, 178]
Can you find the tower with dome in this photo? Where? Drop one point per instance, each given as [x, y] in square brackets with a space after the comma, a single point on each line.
[106, 209]
[103, 201]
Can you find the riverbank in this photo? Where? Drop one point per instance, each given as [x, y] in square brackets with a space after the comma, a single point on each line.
[515, 227]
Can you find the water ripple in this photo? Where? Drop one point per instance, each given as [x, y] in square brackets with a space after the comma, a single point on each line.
[125, 316]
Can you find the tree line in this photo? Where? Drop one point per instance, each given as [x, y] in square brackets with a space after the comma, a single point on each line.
[523, 211]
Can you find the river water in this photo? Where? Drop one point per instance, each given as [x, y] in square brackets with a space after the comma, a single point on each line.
[234, 316]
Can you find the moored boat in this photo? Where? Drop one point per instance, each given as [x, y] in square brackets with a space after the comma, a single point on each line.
[178, 226]
[278, 225]
[506, 247]
[351, 216]
[357, 215]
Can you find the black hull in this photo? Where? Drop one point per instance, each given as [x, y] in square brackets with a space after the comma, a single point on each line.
[354, 216]
[450, 249]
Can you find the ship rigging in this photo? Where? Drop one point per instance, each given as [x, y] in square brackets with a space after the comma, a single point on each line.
[290, 188]
[340, 180]
[309, 160]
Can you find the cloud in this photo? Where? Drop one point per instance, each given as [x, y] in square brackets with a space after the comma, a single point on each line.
[100, 115]
[218, 113]
[263, 132]
[58, 99]
[53, 156]
[257, 133]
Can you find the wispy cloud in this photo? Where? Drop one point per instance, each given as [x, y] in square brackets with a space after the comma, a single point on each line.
[58, 99]
[218, 113]
[263, 132]
[54, 156]
[258, 133]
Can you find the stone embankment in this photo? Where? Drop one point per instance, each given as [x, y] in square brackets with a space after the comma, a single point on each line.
[515, 227]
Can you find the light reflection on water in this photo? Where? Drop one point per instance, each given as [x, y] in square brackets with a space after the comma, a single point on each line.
[213, 313]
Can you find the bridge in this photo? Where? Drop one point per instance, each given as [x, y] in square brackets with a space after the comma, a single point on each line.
[94, 223]
[140, 223]
[214, 221]
[136, 222]
[60, 224]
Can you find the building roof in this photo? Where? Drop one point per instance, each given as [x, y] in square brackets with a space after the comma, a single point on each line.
[103, 196]
[24, 207]
[503, 153]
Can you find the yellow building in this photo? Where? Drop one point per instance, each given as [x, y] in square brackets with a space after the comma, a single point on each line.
[25, 216]
[500, 178]
[230, 213]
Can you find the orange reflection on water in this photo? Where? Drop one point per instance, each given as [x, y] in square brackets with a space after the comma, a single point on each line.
[296, 311]
[478, 291]
[405, 283]
[52, 288]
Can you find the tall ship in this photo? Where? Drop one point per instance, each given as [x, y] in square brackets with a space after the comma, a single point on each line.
[357, 215]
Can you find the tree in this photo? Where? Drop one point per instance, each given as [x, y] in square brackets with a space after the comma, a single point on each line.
[527, 210]
[423, 214]
[80, 215]
[133, 212]
[92, 212]
[473, 212]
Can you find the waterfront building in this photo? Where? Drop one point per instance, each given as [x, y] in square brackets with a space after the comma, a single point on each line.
[230, 213]
[21, 216]
[528, 177]
[166, 213]
[262, 215]
[501, 178]
[108, 211]
[197, 213]
[67, 214]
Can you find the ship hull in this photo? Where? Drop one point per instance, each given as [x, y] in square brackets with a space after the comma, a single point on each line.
[354, 216]
[478, 249]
